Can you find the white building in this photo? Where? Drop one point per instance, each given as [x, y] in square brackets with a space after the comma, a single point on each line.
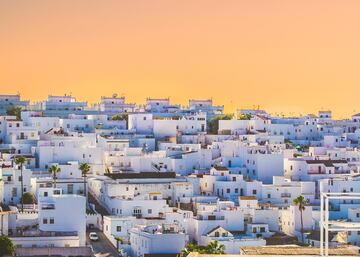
[156, 239]
[62, 213]
[11, 189]
[291, 220]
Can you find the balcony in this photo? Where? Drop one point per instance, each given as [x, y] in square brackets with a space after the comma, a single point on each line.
[210, 217]
[137, 215]
[315, 171]
[285, 195]
[137, 212]
[39, 233]
[47, 206]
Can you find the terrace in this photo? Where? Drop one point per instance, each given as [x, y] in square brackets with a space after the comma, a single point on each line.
[39, 233]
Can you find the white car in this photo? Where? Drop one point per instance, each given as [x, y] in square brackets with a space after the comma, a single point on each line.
[93, 236]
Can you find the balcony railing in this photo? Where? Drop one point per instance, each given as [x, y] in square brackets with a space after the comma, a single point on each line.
[47, 206]
[38, 233]
[285, 195]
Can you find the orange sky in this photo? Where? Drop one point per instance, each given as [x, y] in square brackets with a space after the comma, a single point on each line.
[286, 56]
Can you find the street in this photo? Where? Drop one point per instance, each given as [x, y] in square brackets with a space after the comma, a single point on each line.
[102, 247]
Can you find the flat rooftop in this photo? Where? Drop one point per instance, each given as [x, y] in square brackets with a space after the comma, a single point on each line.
[142, 175]
[296, 251]
[285, 251]
[55, 251]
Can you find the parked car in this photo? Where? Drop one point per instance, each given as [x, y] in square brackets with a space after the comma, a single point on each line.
[93, 236]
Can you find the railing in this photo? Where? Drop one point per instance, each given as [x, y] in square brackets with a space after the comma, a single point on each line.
[55, 251]
[316, 172]
[28, 206]
[38, 233]
[47, 206]
[210, 218]
[155, 167]
[285, 195]
[137, 215]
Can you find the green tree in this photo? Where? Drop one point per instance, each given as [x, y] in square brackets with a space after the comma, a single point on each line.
[123, 116]
[85, 168]
[14, 111]
[245, 116]
[214, 123]
[215, 248]
[193, 248]
[301, 202]
[211, 248]
[28, 198]
[6, 246]
[20, 160]
[53, 170]
[119, 241]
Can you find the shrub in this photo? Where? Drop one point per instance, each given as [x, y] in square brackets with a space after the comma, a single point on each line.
[29, 198]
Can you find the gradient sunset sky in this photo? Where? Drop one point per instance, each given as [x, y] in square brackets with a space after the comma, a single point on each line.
[285, 56]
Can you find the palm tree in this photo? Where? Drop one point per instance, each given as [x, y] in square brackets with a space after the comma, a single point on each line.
[85, 168]
[300, 201]
[215, 248]
[193, 248]
[53, 170]
[119, 241]
[20, 160]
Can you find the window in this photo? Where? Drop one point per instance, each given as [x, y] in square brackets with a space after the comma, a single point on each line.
[45, 194]
[20, 178]
[228, 190]
[45, 221]
[118, 228]
[254, 192]
[70, 188]
[14, 192]
[149, 211]
[52, 221]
